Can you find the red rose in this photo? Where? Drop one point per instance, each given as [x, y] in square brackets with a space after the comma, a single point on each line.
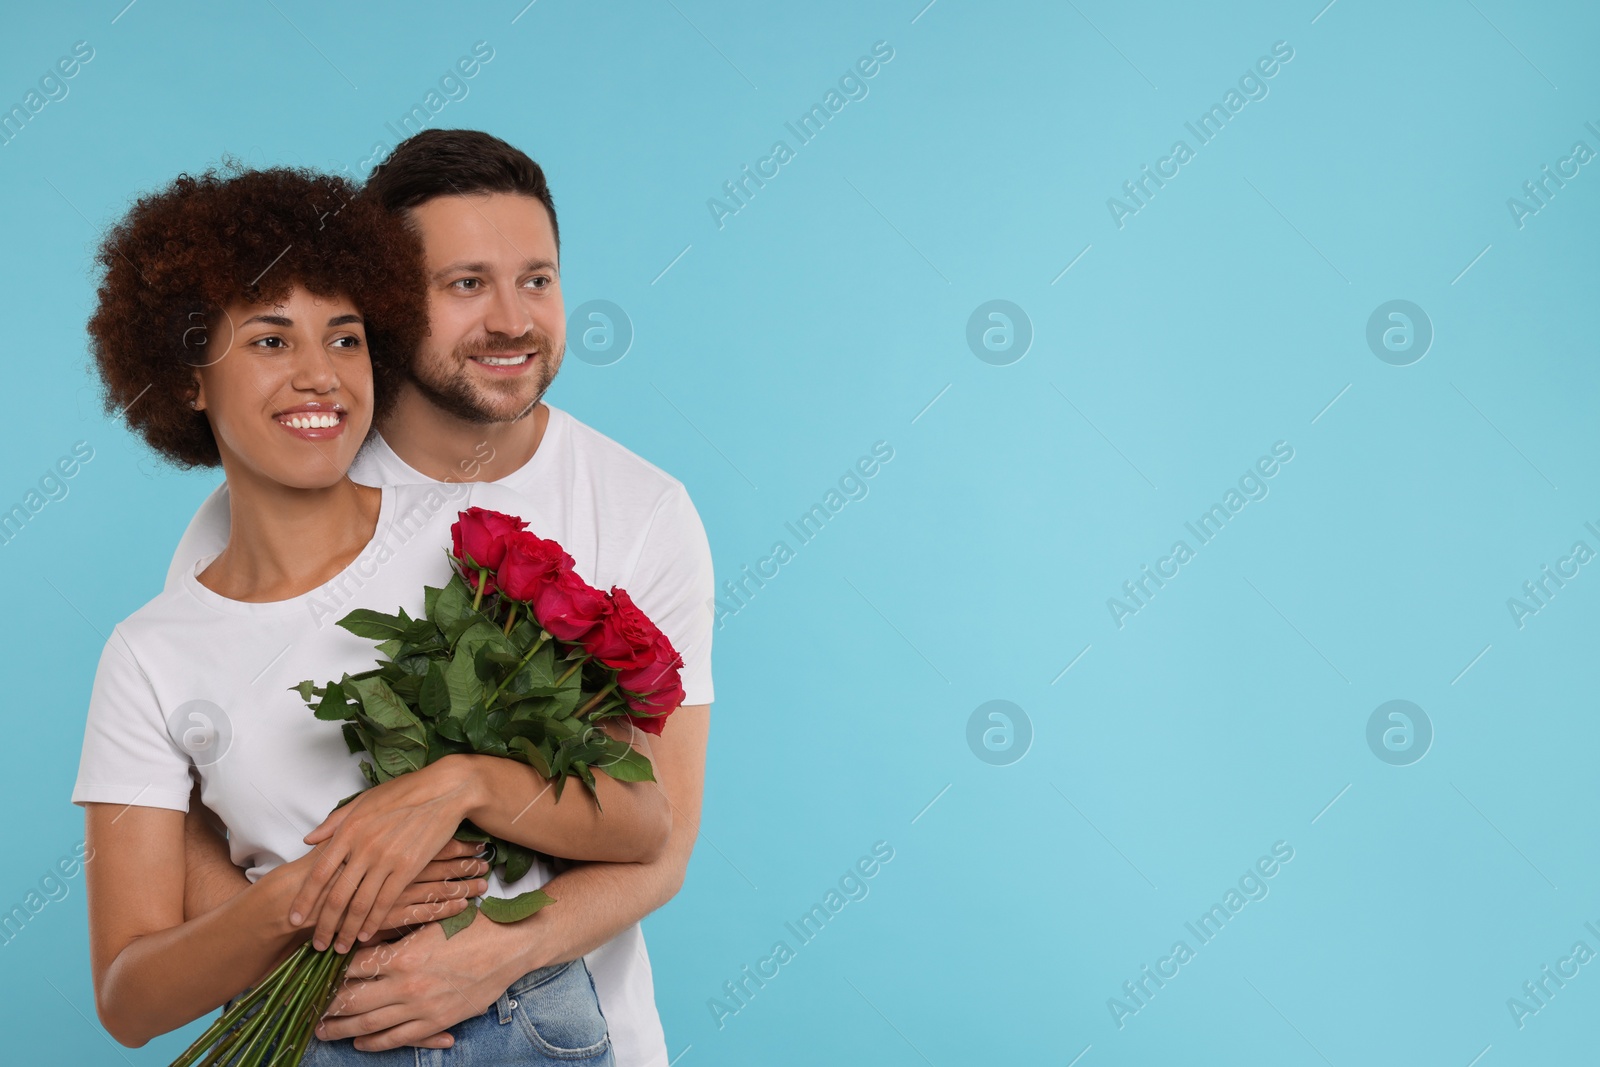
[650, 724]
[625, 639]
[567, 606]
[654, 689]
[529, 562]
[479, 536]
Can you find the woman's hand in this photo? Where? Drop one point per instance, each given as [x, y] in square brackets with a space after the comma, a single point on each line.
[440, 891]
[371, 849]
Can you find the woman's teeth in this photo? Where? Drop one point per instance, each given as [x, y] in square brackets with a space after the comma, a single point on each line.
[503, 361]
[311, 421]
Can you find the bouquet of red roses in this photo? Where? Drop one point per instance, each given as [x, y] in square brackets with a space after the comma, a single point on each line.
[516, 656]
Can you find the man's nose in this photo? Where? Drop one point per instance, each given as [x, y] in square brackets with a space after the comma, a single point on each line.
[506, 315]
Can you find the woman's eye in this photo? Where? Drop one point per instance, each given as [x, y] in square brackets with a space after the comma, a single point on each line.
[271, 342]
[347, 342]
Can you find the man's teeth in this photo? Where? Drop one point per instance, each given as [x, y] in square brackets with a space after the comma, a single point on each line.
[503, 361]
[312, 421]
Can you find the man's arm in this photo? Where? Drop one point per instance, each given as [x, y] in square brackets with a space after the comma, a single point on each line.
[593, 903]
[209, 877]
[603, 899]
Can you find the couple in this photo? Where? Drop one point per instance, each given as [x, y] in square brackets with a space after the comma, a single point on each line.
[364, 364]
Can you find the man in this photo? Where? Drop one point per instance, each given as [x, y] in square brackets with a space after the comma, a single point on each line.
[472, 411]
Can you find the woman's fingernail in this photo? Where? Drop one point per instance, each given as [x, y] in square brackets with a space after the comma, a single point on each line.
[295, 918]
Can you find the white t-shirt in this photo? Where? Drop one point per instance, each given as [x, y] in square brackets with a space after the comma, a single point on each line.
[196, 683]
[625, 522]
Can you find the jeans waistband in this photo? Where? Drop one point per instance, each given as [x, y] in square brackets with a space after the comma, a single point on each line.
[528, 985]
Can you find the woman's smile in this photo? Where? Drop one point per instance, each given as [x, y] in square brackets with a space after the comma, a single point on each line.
[313, 421]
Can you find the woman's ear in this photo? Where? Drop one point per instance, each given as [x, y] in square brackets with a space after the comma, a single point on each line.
[197, 395]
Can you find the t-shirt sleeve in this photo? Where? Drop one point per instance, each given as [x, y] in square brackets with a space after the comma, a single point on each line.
[672, 582]
[128, 756]
[207, 535]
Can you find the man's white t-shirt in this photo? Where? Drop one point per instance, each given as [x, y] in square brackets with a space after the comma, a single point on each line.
[625, 522]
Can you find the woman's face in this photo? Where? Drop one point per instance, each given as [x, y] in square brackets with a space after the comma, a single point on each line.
[288, 388]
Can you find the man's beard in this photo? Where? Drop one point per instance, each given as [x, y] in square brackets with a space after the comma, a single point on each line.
[456, 393]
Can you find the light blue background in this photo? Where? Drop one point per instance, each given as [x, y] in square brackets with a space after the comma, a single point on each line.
[825, 316]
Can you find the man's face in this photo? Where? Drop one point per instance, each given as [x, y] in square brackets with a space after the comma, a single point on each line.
[497, 326]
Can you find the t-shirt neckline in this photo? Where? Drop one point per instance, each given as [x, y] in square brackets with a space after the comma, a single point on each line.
[213, 599]
[556, 426]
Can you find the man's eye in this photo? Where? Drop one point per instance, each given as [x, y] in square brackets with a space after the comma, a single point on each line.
[467, 283]
[538, 281]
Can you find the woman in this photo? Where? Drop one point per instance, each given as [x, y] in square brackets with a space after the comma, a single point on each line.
[261, 320]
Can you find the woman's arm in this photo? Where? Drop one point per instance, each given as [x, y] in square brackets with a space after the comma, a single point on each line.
[154, 972]
[630, 824]
[210, 879]
[378, 840]
[411, 1003]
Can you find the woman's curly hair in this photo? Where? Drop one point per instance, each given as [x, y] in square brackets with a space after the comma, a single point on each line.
[184, 253]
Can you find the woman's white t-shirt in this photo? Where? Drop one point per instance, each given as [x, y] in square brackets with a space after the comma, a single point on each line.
[626, 522]
[194, 683]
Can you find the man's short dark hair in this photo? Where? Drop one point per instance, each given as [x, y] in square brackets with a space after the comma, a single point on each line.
[457, 163]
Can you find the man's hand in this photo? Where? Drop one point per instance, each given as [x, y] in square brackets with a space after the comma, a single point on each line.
[372, 848]
[407, 992]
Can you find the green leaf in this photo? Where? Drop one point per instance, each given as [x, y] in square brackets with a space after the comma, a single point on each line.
[391, 647]
[334, 705]
[433, 699]
[305, 690]
[539, 672]
[364, 622]
[625, 763]
[400, 739]
[479, 735]
[398, 759]
[430, 600]
[517, 859]
[531, 728]
[386, 709]
[517, 908]
[533, 753]
[462, 681]
[469, 832]
[352, 738]
[452, 609]
[451, 728]
[483, 633]
[459, 921]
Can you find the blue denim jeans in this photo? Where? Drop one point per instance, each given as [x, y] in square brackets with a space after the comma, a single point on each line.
[547, 1017]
